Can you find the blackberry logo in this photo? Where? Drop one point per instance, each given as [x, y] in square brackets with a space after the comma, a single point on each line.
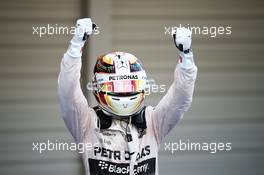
[103, 165]
[146, 167]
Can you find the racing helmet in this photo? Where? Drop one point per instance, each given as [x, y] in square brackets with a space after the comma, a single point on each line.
[119, 84]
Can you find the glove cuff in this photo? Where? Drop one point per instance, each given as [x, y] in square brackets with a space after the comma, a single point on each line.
[186, 60]
[75, 48]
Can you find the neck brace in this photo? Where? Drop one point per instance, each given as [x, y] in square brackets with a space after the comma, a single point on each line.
[105, 120]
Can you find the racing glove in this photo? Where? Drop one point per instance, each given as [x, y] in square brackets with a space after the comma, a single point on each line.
[84, 28]
[183, 39]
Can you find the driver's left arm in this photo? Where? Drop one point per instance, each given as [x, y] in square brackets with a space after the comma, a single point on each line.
[178, 99]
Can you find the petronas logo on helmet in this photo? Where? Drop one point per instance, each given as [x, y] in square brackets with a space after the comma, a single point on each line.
[123, 77]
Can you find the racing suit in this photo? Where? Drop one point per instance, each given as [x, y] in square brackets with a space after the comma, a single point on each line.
[108, 153]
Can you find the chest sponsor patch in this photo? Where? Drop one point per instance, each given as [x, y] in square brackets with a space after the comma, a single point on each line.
[99, 167]
[120, 155]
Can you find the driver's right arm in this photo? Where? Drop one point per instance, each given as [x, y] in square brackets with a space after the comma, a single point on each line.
[73, 104]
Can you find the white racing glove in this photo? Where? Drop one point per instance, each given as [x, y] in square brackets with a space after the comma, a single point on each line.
[183, 39]
[84, 28]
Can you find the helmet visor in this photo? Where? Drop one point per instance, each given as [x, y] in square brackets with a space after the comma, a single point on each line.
[122, 86]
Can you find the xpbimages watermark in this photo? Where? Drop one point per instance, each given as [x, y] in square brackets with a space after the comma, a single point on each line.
[211, 31]
[56, 145]
[151, 87]
[55, 29]
[187, 145]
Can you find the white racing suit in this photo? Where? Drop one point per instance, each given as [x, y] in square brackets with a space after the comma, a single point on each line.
[107, 151]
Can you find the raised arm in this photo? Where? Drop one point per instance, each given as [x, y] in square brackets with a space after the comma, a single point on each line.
[178, 99]
[73, 105]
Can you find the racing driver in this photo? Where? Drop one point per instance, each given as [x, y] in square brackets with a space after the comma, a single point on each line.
[124, 133]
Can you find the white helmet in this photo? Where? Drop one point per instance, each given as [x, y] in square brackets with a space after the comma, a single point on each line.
[119, 80]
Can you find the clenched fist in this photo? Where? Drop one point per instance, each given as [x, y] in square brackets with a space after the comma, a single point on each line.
[183, 39]
[84, 28]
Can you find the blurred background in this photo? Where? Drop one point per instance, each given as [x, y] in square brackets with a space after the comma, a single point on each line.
[229, 95]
